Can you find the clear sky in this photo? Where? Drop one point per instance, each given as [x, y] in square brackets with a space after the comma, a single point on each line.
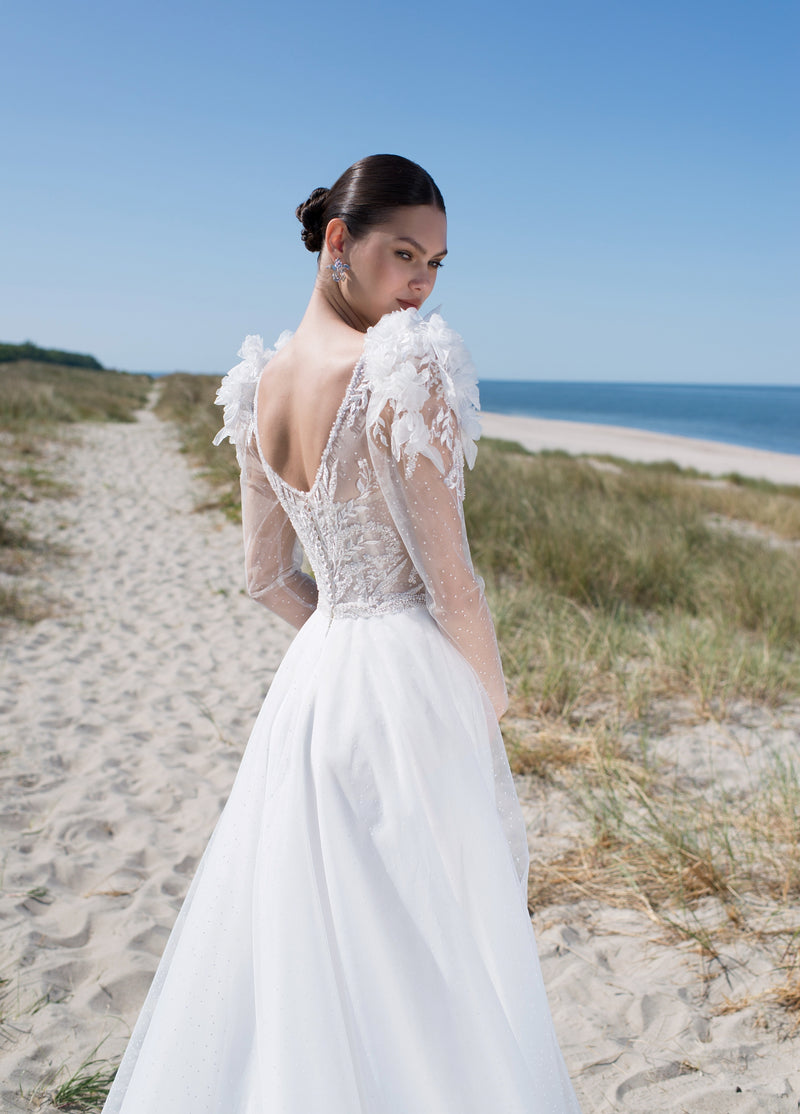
[621, 176]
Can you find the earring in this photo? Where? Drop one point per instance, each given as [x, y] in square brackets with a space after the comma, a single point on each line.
[338, 268]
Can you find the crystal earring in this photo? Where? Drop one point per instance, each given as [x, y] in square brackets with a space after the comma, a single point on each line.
[338, 268]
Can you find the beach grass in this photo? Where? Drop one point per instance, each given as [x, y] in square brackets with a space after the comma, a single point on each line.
[35, 396]
[621, 585]
[631, 602]
[83, 1092]
[630, 539]
[711, 866]
[188, 400]
[21, 549]
[86, 1089]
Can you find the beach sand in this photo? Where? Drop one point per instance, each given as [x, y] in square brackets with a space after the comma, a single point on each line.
[712, 457]
[123, 717]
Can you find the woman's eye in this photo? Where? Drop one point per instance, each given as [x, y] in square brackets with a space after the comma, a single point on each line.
[437, 263]
[404, 254]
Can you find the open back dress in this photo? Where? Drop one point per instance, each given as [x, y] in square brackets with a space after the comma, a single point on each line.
[356, 938]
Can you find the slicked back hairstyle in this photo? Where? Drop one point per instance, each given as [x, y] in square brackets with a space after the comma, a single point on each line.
[365, 196]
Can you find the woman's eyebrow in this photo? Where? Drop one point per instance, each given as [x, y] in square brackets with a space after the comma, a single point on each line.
[414, 243]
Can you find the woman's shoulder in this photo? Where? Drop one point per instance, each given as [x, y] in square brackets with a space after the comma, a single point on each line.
[237, 391]
[411, 361]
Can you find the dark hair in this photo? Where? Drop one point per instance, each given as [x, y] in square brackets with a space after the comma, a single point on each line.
[365, 195]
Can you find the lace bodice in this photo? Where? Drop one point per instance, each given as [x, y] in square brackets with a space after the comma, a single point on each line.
[382, 525]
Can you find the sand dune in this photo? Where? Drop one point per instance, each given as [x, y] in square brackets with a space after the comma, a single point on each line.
[123, 718]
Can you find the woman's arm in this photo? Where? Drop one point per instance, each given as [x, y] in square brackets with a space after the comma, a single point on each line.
[272, 555]
[425, 500]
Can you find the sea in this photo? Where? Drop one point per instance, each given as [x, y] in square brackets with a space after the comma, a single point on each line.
[759, 417]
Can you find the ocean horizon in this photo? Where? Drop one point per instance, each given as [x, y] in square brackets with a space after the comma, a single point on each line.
[753, 416]
[757, 417]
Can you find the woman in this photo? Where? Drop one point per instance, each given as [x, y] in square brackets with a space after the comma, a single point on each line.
[356, 939]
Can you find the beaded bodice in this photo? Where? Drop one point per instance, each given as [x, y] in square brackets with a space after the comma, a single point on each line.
[382, 525]
[343, 524]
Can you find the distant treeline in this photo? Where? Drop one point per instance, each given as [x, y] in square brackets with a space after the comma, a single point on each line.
[29, 351]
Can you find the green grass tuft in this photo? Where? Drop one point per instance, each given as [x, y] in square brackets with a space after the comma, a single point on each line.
[188, 400]
[33, 395]
[87, 1089]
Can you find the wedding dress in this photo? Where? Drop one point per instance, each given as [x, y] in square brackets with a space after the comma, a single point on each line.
[356, 939]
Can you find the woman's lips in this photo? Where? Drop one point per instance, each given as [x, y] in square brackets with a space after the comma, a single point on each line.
[408, 305]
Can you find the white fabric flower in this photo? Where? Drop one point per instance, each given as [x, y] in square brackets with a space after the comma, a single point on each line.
[238, 390]
[460, 380]
[407, 356]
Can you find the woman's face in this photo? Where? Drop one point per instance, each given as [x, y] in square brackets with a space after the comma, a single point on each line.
[394, 266]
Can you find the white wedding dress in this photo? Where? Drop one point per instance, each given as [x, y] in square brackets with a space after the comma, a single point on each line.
[356, 939]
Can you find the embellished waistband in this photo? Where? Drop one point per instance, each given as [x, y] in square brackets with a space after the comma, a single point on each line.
[365, 609]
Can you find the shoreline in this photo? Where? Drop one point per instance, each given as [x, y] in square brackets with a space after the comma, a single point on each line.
[717, 458]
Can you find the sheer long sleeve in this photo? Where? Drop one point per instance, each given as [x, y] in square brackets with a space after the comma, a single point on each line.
[272, 553]
[418, 457]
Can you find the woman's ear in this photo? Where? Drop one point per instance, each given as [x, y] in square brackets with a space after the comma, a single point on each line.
[336, 237]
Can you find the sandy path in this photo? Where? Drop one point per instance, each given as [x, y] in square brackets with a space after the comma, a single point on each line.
[121, 726]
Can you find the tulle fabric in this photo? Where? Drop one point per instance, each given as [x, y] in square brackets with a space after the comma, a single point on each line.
[355, 940]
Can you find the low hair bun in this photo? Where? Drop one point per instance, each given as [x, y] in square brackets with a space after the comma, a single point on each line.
[310, 214]
[365, 196]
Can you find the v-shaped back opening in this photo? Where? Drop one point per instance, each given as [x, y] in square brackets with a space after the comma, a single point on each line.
[355, 375]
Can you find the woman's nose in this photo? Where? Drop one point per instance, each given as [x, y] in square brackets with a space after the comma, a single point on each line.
[421, 279]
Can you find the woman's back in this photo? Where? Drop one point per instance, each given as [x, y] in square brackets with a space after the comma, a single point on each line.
[336, 478]
[381, 519]
[299, 395]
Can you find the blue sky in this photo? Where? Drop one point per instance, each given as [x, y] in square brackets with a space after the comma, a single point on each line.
[621, 177]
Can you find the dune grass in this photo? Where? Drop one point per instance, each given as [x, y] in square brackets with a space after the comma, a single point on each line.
[20, 552]
[619, 584]
[188, 400]
[83, 1092]
[34, 395]
[718, 869]
[86, 1089]
[626, 599]
[653, 838]
[629, 539]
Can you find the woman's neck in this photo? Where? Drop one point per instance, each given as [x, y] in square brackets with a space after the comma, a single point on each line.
[327, 307]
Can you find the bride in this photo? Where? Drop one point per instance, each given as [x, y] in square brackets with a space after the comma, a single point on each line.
[356, 938]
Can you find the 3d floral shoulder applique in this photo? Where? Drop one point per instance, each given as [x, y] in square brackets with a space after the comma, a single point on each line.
[238, 390]
[409, 360]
